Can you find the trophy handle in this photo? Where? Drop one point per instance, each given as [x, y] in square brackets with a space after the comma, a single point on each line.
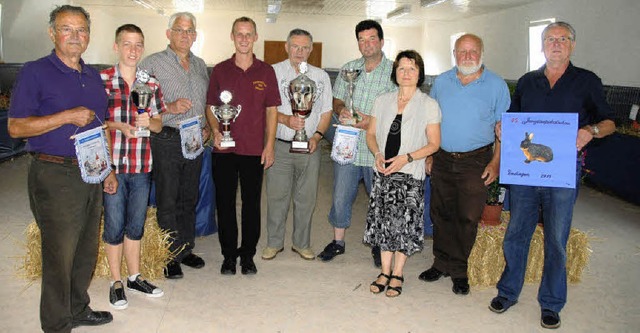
[237, 114]
[212, 108]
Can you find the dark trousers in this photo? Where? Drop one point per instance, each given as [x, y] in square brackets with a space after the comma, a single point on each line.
[177, 181]
[227, 169]
[67, 211]
[458, 196]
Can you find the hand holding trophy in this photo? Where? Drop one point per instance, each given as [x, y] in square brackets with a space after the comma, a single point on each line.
[302, 94]
[141, 95]
[350, 75]
[226, 113]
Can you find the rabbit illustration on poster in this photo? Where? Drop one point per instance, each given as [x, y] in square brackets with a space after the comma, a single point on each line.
[535, 151]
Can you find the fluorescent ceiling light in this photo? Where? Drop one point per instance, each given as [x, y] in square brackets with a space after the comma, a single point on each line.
[144, 4]
[271, 18]
[400, 11]
[430, 3]
[274, 6]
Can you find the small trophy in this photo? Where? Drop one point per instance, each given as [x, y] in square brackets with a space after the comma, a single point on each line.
[302, 94]
[351, 75]
[141, 96]
[225, 114]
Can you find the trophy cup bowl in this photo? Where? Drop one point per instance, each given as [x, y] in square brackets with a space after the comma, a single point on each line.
[225, 114]
[350, 75]
[302, 94]
[141, 97]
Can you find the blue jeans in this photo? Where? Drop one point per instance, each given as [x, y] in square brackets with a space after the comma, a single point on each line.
[126, 211]
[557, 207]
[345, 188]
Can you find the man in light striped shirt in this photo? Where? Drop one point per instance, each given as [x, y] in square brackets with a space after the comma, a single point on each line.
[184, 79]
[296, 171]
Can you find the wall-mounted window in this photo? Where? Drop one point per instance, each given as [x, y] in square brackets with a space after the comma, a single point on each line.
[389, 48]
[536, 56]
[452, 43]
[196, 48]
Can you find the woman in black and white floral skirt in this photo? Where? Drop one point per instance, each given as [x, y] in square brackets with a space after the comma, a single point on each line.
[404, 129]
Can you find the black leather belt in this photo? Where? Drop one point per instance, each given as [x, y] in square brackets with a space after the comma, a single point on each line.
[55, 159]
[469, 153]
[170, 129]
[285, 141]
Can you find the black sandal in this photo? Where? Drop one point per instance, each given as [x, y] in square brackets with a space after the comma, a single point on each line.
[397, 289]
[378, 285]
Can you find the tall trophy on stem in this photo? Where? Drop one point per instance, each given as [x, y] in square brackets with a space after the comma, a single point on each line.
[350, 75]
[141, 95]
[226, 113]
[302, 94]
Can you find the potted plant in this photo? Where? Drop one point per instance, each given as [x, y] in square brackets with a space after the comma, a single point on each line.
[494, 204]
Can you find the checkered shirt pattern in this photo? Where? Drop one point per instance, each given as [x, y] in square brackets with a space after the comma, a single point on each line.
[129, 155]
[368, 86]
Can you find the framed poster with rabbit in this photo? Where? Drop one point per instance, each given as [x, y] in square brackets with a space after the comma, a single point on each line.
[539, 149]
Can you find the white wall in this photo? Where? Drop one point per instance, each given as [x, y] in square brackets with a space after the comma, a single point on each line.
[607, 35]
[607, 32]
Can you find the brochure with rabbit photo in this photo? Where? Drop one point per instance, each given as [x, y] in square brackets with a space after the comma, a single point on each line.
[539, 149]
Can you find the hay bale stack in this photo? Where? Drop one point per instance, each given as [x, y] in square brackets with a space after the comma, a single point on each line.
[154, 248]
[486, 261]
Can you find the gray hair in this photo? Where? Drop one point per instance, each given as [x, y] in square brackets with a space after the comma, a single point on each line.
[299, 32]
[561, 24]
[183, 15]
[68, 9]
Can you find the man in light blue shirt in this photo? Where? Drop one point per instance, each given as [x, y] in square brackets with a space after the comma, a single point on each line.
[472, 100]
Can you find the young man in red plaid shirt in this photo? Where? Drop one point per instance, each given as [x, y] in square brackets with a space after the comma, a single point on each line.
[125, 211]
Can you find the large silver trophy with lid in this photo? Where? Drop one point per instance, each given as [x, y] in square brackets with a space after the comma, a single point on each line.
[141, 95]
[226, 113]
[351, 75]
[302, 94]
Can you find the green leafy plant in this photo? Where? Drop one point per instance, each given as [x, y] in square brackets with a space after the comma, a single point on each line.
[493, 193]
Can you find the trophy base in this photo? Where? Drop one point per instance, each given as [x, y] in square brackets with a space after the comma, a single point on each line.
[227, 144]
[299, 147]
[142, 133]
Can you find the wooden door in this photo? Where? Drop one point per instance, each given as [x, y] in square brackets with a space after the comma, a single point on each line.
[274, 52]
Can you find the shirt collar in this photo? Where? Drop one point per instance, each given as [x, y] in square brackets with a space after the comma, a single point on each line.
[53, 57]
[173, 53]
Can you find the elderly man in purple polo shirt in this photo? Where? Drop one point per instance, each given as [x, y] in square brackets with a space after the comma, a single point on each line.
[54, 97]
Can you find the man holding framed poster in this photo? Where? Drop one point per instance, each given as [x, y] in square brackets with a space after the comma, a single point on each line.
[557, 87]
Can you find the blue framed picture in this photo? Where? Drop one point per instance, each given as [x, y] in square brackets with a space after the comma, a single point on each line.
[539, 149]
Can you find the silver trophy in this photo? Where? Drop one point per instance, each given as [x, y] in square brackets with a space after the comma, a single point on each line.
[141, 95]
[302, 94]
[226, 113]
[351, 75]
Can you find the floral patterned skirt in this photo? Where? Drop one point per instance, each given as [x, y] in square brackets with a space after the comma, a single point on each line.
[395, 216]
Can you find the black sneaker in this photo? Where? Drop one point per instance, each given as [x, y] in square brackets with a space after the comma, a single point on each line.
[117, 298]
[228, 267]
[248, 267]
[550, 319]
[193, 261]
[330, 251]
[144, 287]
[173, 271]
[500, 304]
[375, 253]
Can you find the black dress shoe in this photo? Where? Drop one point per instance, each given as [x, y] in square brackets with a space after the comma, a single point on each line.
[193, 261]
[432, 274]
[228, 267]
[93, 318]
[460, 286]
[550, 319]
[375, 253]
[173, 271]
[248, 266]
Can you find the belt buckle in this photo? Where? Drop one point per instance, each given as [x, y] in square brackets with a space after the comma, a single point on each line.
[456, 155]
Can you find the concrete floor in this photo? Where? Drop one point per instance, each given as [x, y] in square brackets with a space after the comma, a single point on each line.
[293, 295]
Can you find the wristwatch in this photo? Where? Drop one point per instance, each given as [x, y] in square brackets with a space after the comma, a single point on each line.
[595, 130]
[409, 158]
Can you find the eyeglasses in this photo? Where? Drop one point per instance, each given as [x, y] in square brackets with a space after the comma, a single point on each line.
[68, 31]
[471, 53]
[561, 39]
[296, 48]
[189, 32]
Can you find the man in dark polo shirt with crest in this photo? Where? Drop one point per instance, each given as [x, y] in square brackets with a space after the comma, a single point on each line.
[252, 84]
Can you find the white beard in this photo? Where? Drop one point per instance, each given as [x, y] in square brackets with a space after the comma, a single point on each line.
[468, 70]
